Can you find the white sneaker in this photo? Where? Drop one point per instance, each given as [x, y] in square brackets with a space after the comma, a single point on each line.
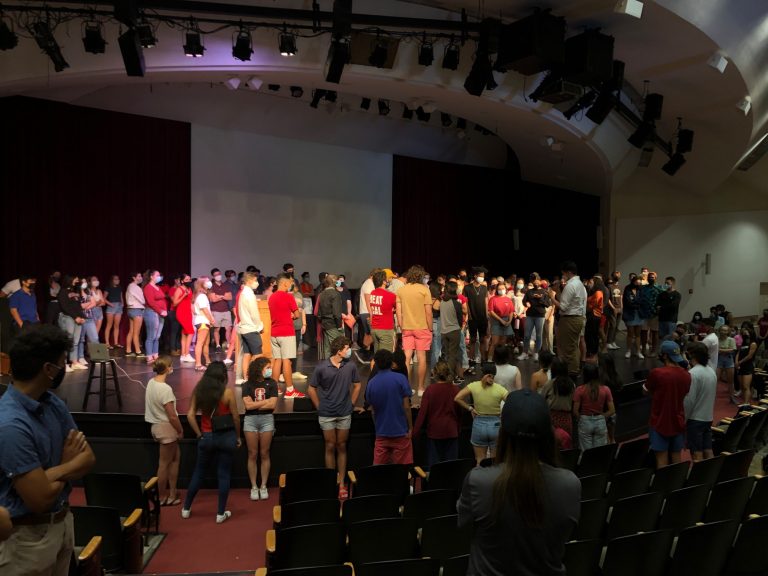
[78, 366]
[254, 493]
[640, 355]
[239, 382]
[185, 513]
[227, 361]
[188, 359]
[69, 368]
[264, 493]
[282, 378]
[83, 361]
[628, 355]
[420, 393]
[523, 356]
[516, 350]
[299, 376]
[222, 517]
[536, 356]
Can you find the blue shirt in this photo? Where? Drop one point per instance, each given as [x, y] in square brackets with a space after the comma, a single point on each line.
[32, 436]
[25, 304]
[385, 393]
[332, 386]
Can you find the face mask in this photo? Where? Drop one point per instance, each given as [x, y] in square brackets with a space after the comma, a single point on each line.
[348, 353]
[188, 284]
[339, 283]
[305, 279]
[83, 285]
[651, 281]
[501, 292]
[255, 285]
[217, 277]
[519, 286]
[480, 279]
[208, 284]
[95, 283]
[57, 380]
[231, 278]
[56, 279]
[667, 286]
[32, 285]
[158, 279]
[268, 373]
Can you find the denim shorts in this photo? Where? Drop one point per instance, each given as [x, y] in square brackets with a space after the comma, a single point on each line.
[485, 431]
[661, 443]
[135, 313]
[499, 329]
[116, 309]
[699, 435]
[335, 422]
[259, 423]
[97, 313]
[725, 361]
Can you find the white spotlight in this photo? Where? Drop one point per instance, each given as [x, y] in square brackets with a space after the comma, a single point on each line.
[254, 83]
[718, 62]
[745, 105]
[232, 83]
[629, 7]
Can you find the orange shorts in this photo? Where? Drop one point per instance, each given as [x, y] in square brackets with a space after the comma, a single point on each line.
[420, 340]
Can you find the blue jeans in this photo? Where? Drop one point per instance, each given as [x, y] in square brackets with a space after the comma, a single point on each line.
[593, 431]
[531, 323]
[463, 349]
[666, 328]
[210, 446]
[88, 330]
[175, 330]
[440, 450]
[73, 329]
[154, 323]
[437, 342]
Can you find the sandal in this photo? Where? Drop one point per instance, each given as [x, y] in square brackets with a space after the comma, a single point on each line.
[169, 502]
[200, 368]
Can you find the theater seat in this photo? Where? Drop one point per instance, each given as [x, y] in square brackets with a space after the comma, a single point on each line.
[308, 484]
[88, 561]
[126, 492]
[122, 547]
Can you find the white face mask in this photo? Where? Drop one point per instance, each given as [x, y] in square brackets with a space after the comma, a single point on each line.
[208, 284]
[95, 283]
[480, 279]
[501, 292]
[519, 286]
[217, 277]
[84, 285]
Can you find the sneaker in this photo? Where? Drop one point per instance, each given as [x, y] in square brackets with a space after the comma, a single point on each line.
[640, 355]
[536, 356]
[613, 346]
[254, 493]
[188, 358]
[628, 355]
[282, 378]
[185, 513]
[69, 368]
[227, 361]
[293, 393]
[239, 382]
[343, 493]
[83, 361]
[218, 349]
[420, 393]
[223, 517]
[516, 350]
[523, 356]
[140, 355]
[299, 376]
[264, 493]
[78, 366]
[738, 393]
[132, 354]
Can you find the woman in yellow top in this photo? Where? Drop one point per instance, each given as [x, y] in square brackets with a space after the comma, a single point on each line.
[487, 398]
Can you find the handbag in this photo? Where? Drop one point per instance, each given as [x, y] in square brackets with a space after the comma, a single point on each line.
[350, 321]
[222, 422]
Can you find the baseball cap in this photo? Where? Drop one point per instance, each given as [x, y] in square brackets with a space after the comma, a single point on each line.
[526, 414]
[671, 349]
[389, 273]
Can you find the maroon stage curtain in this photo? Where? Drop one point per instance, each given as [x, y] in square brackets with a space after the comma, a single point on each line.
[90, 191]
[448, 216]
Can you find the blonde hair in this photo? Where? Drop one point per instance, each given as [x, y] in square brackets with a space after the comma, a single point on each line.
[162, 365]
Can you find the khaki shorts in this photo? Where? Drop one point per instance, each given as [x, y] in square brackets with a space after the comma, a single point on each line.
[651, 324]
[383, 340]
[222, 319]
[283, 347]
[164, 433]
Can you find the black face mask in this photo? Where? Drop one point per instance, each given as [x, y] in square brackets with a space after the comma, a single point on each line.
[59, 378]
[188, 284]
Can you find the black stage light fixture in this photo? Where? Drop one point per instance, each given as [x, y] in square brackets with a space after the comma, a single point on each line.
[653, 105]
[451, 56]
[407, 113]
[365, 103]
[480, 75]
[273, 87]
[193, 47]
[644, 132]
[287, 44]
[132, 52]
[379, 54]
[445, 119]
[338, 56]
[317, 95]
[580, 104]
[146, 34]
[8, 38]
[383, 107]
[127, 12]
[674, 164]
[684, 141]
[331, 95]
[426, 53]
[93, 40]
[47, 43]
[461, 123]
[422, 115]
[242, 48]
[297, 91]
[601, 108]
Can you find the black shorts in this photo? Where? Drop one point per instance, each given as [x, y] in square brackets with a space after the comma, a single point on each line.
[477, 328]
[252, 343]
[698, 435]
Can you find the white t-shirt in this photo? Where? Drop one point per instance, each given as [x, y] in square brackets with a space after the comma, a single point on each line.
[712, 343]
[157, 396]
[506, 375]
[248, 312]
[366, 288]
[201, 302]
[11, 287]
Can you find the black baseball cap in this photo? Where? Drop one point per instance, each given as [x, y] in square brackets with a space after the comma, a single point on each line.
[526, 414]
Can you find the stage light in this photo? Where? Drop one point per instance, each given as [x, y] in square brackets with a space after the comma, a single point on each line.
[331, 95]
[317, 95]
[745, 104]
[674, 164]
[8, 38]
[718, 62]
[93, 41]
[273, 87]
[445, 119]
[243, 45]
[601, 108]
[479, 76]
[451, 56]
[383, 107]
[365, 103]
[653, 106]
[426, 53]
[379, 54]
[580, 104]
[422, 115]
[47, 43]
[287, 44]
[684, 141]
[146, 34]
[254, 83]
[644, 132]
[132, 52]
[338, 56]
[193, 47]
[297, 91]
[232, 83]
[407, 113]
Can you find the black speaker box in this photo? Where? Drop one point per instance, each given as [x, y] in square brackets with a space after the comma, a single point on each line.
[133, 53]
[589, 58]
[532, 44]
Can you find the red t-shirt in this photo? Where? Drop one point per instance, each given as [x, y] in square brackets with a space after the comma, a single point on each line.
[281, 306]
[502, 306]
[155, 299]
[381, 308]
[668, 386]
[461, 298]
[589, 407]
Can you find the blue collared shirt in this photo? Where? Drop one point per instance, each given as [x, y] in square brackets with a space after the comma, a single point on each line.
[32, 435]
[333, 387]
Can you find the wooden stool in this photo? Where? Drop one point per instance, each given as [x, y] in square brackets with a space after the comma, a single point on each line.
[102, 391]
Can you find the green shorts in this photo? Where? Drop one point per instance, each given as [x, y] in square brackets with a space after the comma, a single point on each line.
[383, 340]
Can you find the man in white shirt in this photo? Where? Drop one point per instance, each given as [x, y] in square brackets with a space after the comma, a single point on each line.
[364, 326]
[712, 343]
[699, 403]
[249, 324]
[573, 308]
